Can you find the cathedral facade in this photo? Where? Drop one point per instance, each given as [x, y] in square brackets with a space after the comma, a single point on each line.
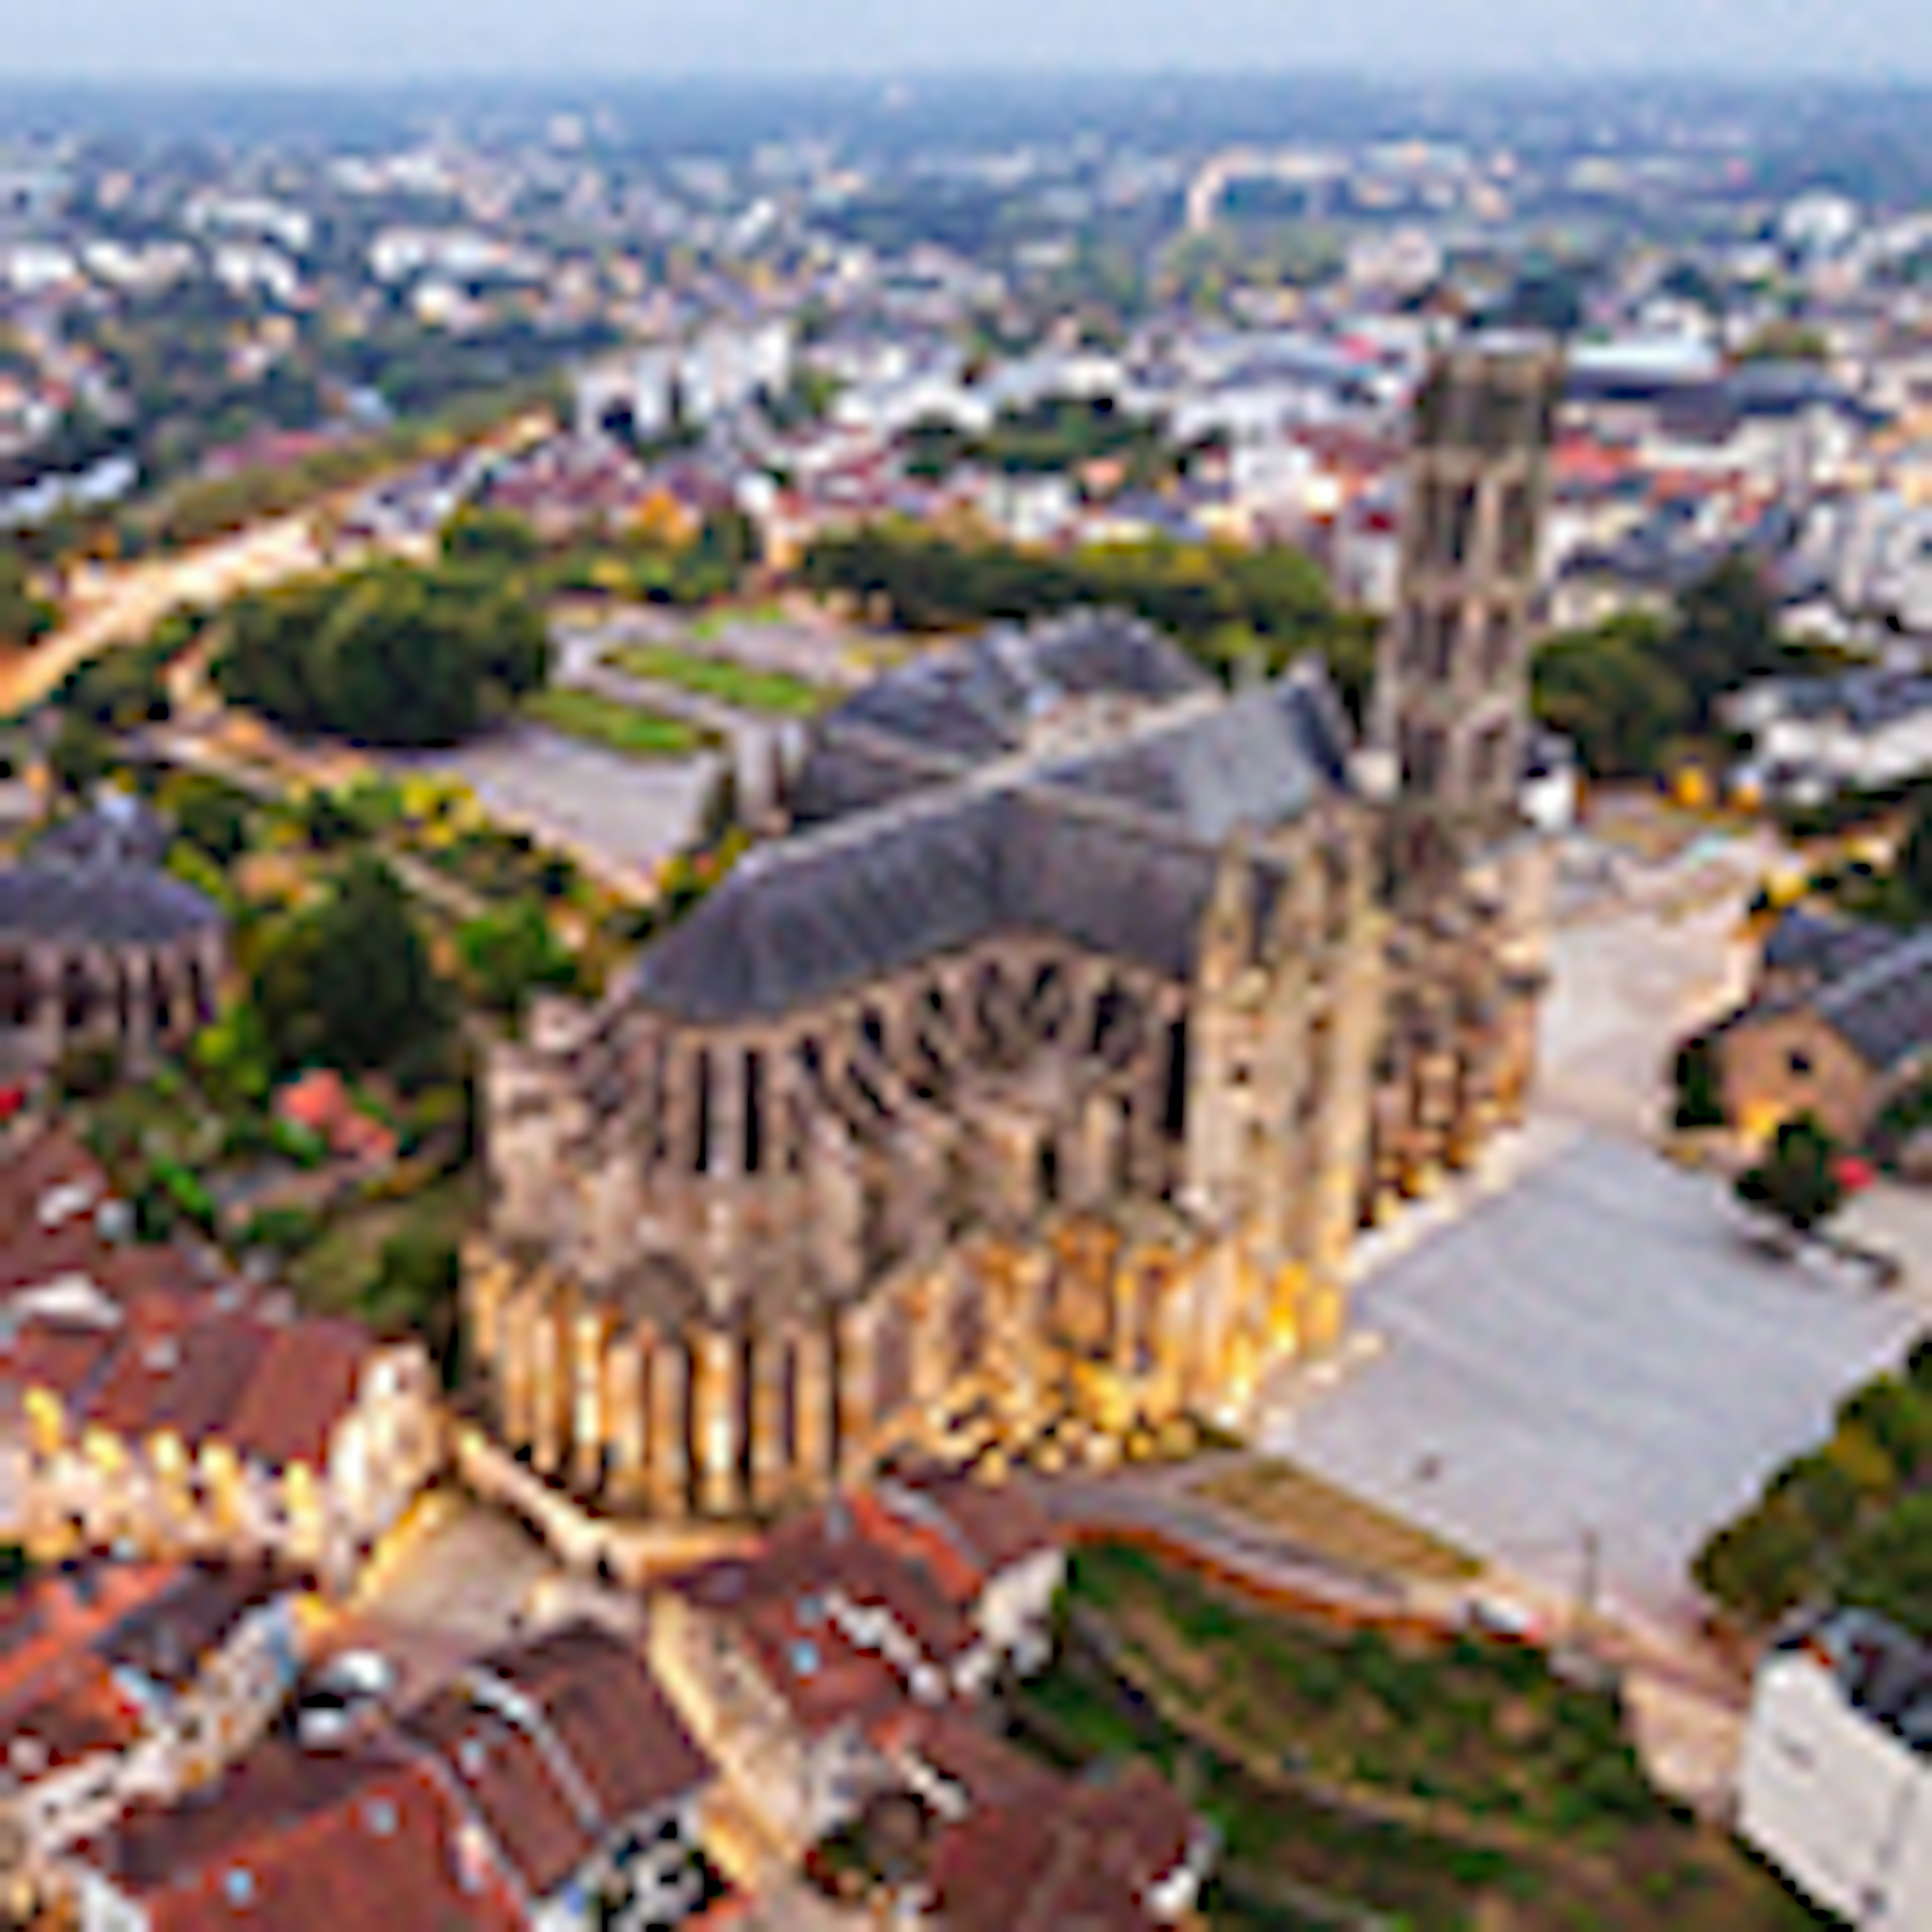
[1028, 1093]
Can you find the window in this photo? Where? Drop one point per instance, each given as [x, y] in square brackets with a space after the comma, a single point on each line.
[1461, 537]
[1799, 1062]
[1519, 529]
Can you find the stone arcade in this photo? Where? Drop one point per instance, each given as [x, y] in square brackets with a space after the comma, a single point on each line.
[98, 945]
[1034, 1086]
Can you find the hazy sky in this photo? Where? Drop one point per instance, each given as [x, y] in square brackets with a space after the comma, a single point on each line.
[400, 39]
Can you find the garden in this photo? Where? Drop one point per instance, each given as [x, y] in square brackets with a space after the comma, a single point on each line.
[632, 730]
[773, 692]
[1353, 1771]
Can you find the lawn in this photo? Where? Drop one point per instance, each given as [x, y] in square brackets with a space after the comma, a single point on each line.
[629, 729]
[1328, 1521]
[1433, 1780]
[721, 678]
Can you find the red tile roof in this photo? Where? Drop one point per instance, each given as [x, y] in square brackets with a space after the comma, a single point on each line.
[294, 1841]
[1085, 1864]
[599, 1695]
[306, 1382]
[503, 1772]
[172, 1357]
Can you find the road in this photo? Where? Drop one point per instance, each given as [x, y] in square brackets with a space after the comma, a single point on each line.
[120, 604]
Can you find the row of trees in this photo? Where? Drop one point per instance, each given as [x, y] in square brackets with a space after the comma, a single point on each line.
[1630, 689]
[390, 654]
[1851, 1521]
[1229, 606]
[1056, 433]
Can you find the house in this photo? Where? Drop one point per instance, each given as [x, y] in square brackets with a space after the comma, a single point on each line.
[151, 1405]
[1839, 1025]
[124, 1681]
[1018, 1847]
[320, 1102]
[1124, 1853]
[992, 1551]
[295, 1841]
[789, 1664]
[1835, 1785]
[578, 1769]
[550, 1785]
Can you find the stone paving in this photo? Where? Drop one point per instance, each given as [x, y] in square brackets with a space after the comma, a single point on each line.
[1597, 1351]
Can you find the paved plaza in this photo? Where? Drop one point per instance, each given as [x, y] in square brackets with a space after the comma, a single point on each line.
[1593, 1350]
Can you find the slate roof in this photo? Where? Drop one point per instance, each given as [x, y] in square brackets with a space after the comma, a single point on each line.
[971, 703]
[109, 904]
[1813, 942]
[116, 830]
[1111, 844]
[1247, 761]
[1882, 1008]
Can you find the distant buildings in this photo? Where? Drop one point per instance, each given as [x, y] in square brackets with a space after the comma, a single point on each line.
[1812, 739]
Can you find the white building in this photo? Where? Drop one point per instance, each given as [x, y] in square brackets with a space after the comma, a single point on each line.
[1812, 738]
[1836, 1788]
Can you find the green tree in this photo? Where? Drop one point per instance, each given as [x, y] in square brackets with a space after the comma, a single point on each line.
[25, 617]
[499, 537]
[1786, 341]
[1897, 1417]
[416, 1289]
[212, 819]
[1612, 692]
[78, 758]
[1887, 1566]
[1761, 1565]
[509, 952]
[1798, 1181]
[1912, 867]
[348, 982]
[1700, 1087]
[1725, 635]
[390, 654]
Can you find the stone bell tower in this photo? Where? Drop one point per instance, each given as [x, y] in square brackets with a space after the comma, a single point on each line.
[1452, 683]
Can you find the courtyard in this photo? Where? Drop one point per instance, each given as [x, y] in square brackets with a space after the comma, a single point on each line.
[1583, 1368]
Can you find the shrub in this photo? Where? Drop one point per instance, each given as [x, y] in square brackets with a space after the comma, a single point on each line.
[87, 1070]
[1761, 1565]
[1700, 1101]
[1798, 1181]
[1888, 1567]
[282, 1231]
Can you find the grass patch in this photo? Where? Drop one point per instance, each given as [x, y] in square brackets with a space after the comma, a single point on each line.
[1484, 1734]
[1317, 1516]
[334, 1276]
[721, 678]
[627, 729]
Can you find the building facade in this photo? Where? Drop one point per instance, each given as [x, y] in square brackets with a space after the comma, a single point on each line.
[1029, 1093]
[143, 1405]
